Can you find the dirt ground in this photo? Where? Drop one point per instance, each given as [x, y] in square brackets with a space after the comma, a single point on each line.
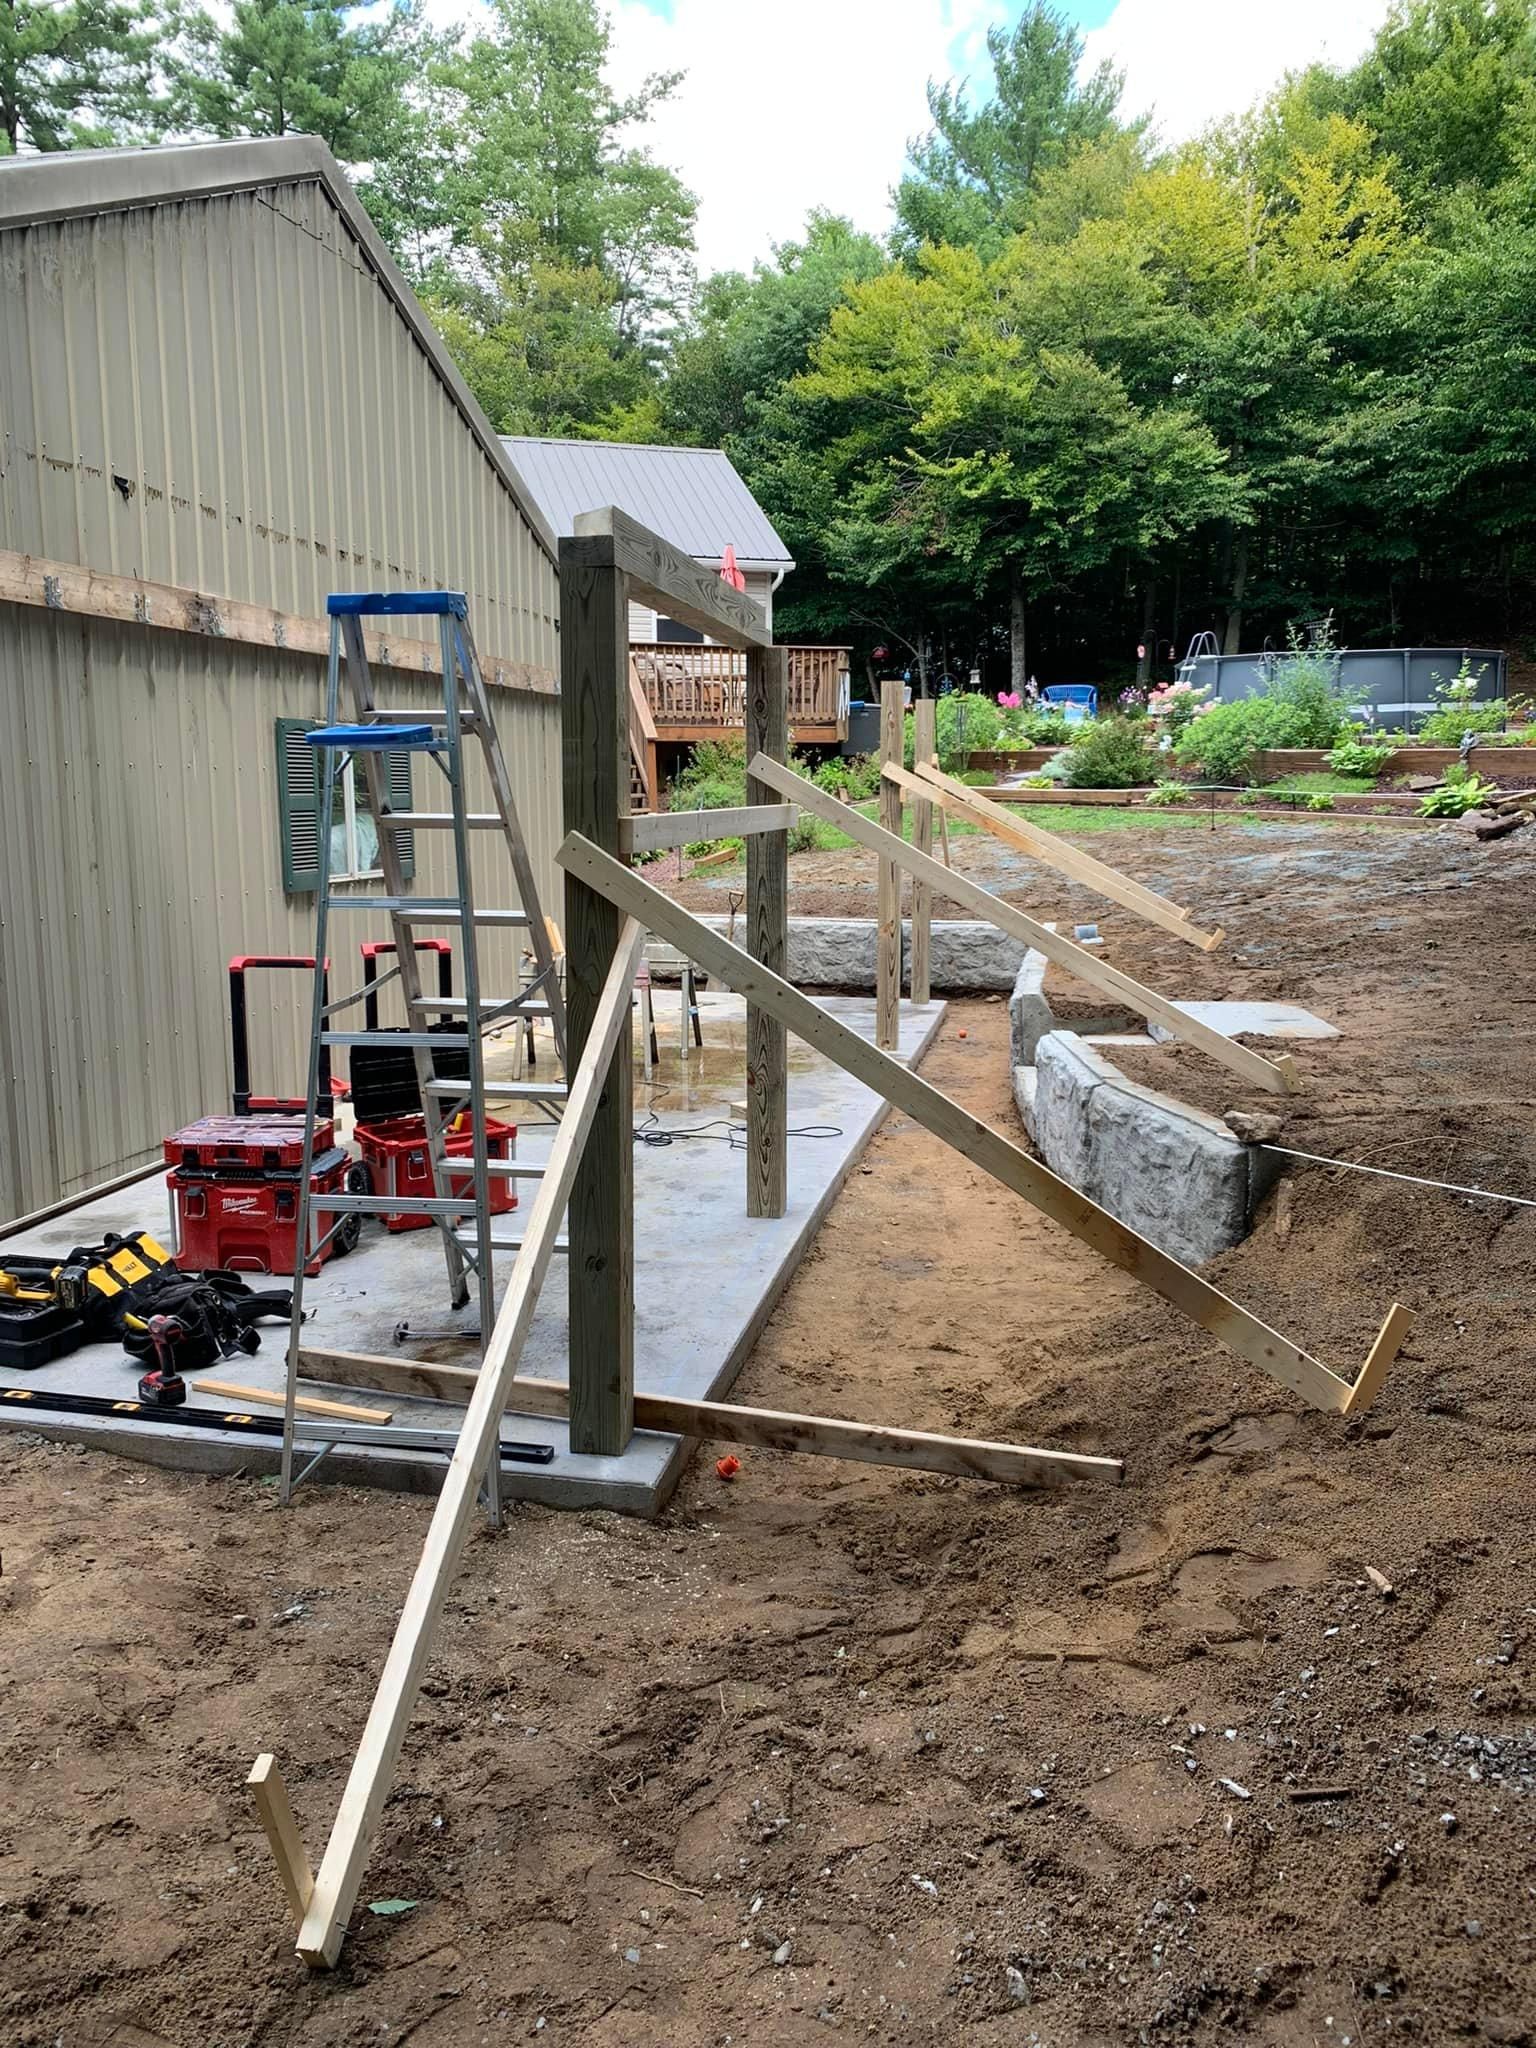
[830, 1748]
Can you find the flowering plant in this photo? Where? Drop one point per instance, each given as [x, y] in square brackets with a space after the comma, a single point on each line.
[1010, 700]
[1177, 704]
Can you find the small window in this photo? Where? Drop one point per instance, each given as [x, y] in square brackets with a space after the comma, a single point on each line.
[354, 836]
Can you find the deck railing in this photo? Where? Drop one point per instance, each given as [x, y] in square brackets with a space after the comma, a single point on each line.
[696, 685]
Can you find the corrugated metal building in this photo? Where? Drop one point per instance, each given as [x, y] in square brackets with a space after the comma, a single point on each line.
[212, 378]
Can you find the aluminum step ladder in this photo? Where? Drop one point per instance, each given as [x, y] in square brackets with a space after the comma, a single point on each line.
[360, 732]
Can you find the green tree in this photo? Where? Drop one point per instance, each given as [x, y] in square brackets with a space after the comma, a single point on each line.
[567, 248]
[281, 67]
[971, 177]
[1447, 89]
[76, 73]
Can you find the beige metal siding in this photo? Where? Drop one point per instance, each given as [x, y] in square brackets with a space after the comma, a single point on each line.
[279, 434]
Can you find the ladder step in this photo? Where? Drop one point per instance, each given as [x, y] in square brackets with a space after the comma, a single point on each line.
[482, 821]
[506, 1244]
[435, 714]
[500, 1091]
[496, 1169]
[490, 1006]
[437, 1041]
[417, 910]
[393, 1205]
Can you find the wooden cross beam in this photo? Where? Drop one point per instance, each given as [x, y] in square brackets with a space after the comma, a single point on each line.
[825, 1436]
[985, 1147]
[1049, 848]
[1279, 1076]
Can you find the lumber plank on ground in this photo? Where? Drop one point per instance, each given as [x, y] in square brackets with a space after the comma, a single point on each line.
[346, 1853]
[987, 1148]
[726, 1422]
[282, 1833]
[1050, 848]
[1279, 1075]
[338, 1411]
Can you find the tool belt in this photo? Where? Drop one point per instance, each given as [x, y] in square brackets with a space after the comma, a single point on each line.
[110, 1290]
[217, 1313]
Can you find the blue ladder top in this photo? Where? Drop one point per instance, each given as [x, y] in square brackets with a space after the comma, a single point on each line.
[352, 604]
[374, 739]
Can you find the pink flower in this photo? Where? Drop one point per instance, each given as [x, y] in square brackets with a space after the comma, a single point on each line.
[1010, 700]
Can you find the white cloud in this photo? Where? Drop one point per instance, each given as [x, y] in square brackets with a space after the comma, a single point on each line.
[805, 103]
[1188, 62]
[811, 103]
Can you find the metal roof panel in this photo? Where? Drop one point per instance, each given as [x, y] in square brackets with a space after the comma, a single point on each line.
[692, 497]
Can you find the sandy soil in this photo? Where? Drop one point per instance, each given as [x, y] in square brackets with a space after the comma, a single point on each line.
[835, 1749]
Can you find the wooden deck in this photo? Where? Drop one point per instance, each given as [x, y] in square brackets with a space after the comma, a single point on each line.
[697, 692]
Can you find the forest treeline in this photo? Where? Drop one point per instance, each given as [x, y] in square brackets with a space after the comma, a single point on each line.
[1088, 393]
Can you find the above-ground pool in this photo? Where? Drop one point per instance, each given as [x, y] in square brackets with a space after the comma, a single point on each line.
[1395, 685]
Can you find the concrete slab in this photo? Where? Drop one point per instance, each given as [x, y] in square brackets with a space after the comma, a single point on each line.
[1253, 1020]
[706, 1279]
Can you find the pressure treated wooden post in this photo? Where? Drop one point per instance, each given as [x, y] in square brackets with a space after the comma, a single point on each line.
[888, 885]
[767, 732]
[594, 686]
[924, 748]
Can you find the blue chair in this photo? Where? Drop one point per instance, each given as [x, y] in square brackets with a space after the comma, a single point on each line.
[1079, 701]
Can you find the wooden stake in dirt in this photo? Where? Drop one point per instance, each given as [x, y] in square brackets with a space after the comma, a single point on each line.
[766, 714]
[1054, 852]
[924, 753]
[888, 880]
[987, 1148]
[282, 1832]
[1279, 1076]
[346, 1854]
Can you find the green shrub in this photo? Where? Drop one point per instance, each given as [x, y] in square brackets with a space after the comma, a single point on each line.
[1046, 729]
[1221, 742]
[804, 836]
[855, 778]
[714, 778]
[1111, 753]
[1458, 711]
[1461, 791]
[967, 722]
[1306, 682]
[1168, 793]
[1250, 799]
[1359, 756]
[1320, 800]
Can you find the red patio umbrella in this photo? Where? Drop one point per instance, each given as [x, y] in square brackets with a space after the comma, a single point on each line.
[729, 573]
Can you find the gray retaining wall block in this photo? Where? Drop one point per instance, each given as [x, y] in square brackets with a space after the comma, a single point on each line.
[965, 955]
[1168, 1171]
[1171, 1172]
[1067, 1075]
[1029, 1014]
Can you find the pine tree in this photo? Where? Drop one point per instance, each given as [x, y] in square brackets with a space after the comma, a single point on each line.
[75, 72]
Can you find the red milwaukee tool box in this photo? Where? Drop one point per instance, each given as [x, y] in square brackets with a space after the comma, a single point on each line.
[235, 1186]
[395, 1151]
[246, 1144]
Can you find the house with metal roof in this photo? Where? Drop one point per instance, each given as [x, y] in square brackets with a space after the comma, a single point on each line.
[686, 689]
[219, 402]
[693, 497]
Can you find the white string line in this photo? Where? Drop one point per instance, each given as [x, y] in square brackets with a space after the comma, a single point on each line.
[1448, 1187]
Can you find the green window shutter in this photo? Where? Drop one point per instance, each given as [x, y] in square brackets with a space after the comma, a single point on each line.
[298, 804]
[397, 782]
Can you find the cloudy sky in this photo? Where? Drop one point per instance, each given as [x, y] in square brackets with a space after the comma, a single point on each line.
[806, 103]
